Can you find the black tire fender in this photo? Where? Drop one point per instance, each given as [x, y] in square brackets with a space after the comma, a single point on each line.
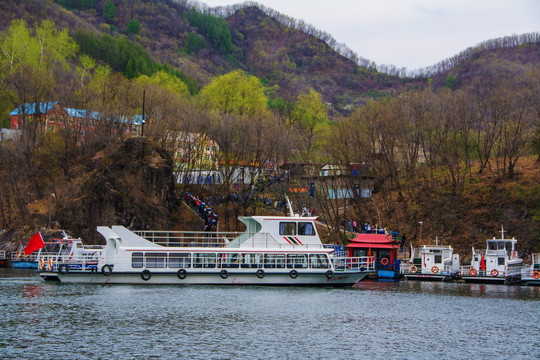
[329, 274]
[146, 275]
[182, 274]
[106, 270]
[63, 269]
[260, 273]
[293, 274]
[224, 274]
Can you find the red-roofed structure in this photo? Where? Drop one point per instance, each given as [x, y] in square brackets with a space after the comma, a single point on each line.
[383, 249]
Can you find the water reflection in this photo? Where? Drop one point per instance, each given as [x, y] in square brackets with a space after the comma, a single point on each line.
[453, 289]
[376, 320]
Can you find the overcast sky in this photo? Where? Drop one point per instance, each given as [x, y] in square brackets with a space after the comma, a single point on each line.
[410, 33]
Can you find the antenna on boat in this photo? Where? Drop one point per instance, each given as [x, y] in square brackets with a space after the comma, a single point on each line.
[502, 232]
[289, 205]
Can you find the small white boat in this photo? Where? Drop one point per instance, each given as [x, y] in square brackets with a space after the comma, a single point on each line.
[274, 250]
[46, 252]
[498, 264]
[431, 263]
[531, 275]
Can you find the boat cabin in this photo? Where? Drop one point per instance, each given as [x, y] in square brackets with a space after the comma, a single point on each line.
[381, 247]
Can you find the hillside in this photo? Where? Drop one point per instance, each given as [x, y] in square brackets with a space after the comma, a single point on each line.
[283, 56]
[442, 150]
[289, 58]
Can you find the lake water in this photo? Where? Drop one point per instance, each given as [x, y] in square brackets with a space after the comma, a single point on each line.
[377, 320]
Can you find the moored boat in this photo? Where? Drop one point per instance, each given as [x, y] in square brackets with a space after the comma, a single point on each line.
[531, 275]
[274, 250]
[3, 259]
[38, 254]
[431, 263]
[498, 264]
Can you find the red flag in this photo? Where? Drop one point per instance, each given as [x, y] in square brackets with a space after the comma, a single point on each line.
[483, 262]
[35, 243]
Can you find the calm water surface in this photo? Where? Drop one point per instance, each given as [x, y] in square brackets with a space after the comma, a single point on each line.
[378, 320]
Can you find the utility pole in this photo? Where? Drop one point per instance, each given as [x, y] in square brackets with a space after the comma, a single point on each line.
[143, 117]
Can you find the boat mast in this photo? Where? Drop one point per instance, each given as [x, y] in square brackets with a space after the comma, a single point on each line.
[289, 205]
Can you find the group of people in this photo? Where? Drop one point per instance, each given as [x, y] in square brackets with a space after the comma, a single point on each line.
[203, 209]
[367, 228]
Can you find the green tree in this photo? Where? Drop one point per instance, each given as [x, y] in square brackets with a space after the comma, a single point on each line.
[214, 28]
[166, 81]
[29, 61]
[194, 43]
[109, 11]
[133, 27]
[235, 93]
[309, 117]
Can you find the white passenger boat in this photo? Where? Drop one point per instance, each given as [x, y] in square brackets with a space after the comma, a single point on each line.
[274, 250]
[531, 275]
[431, 263]
[498, 264]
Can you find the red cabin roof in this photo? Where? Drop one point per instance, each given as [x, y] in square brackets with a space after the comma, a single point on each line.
[376, 241]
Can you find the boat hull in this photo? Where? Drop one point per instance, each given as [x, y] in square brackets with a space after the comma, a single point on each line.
[492, 280]
[207, 278]
[531, 281]
[24, 264]
[428, 277]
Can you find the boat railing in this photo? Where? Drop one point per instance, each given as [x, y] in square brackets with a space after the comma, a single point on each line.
[2, 255]
[347, 264]
[409, 268]
[510, 271]
[19, 256]
[217, 239]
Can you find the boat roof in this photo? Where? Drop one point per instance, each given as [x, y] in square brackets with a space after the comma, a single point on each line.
[377, 241]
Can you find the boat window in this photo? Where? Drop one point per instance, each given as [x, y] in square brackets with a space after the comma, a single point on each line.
[438, 259]
[229, 260]
[318, 261]
[501, 245]
[179, 260]
[306, 228]
[287, 228]
[155, 260]
[252, 261]
[501, 261]
[492, 245]
[274, 261]
[204, 260]
[137, 260]
[296, 261]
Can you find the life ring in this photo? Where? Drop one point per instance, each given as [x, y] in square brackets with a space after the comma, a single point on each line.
[435, 270]
[473, 272]
[413, 269]
[106, 270]
[384, 261]
[224, 274]
[536, 274]
[293, 274]
[19, 253]
[329, 274]
[182, 274]
[50, 264]
[260, 273]
[63, 269]
[146, 275]
[41, 264]
[495, 272]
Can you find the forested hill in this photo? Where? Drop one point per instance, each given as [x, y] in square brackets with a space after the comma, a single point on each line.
[286, 54]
